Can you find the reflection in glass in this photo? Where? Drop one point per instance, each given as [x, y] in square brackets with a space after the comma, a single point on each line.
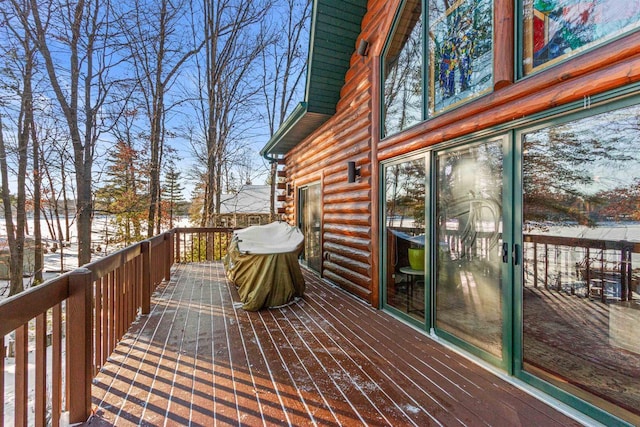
[403, 71]
[310, 203]
[460, 51]
[555, 29]
[469, 233]
[404, 227]
[581, 310]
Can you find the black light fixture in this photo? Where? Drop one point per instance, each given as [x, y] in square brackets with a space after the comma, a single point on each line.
[352, 172]
[363, 48]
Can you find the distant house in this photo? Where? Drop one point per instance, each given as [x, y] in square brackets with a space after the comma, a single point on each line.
[245, 207]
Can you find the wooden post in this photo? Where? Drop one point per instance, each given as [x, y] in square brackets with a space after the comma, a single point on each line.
[172, 245]
[146, 277]
[79, 345]
[167, 255]
[176, 254]
[503, 52]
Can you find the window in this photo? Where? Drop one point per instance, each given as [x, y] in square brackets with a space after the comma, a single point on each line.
[556, 29]
[253, 220]
[458, 67]
[460, 51]
[403, 71]
[404, 230]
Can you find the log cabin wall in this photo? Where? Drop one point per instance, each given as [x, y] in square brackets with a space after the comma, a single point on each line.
[349, 248]
[350, 244]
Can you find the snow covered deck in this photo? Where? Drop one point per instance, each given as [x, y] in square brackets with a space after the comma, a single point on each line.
[328, 359]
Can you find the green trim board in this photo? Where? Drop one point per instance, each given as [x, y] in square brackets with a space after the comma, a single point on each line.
[335, 26]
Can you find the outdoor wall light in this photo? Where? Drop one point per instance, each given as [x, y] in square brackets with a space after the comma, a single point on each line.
[352, 172]
[363, 47]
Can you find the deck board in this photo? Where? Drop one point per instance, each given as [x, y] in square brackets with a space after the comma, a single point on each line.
[329, 359]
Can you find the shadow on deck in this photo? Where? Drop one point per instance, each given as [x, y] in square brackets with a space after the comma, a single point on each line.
[328, 359]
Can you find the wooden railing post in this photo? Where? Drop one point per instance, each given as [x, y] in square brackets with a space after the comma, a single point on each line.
[79, 345]
[146, 276]
[167, 255]
[176, 254]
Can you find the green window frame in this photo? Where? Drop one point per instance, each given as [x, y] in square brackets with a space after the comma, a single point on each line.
[437, 57]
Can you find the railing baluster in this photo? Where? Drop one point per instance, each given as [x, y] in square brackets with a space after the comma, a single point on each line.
[56, 364]
[98, 326]
[104, 337]
[41, 370]
[2, 356]
[112, 311]
[21, 385]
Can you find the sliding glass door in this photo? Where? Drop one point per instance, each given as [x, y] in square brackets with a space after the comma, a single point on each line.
[557, 303]
[469, 266]
[581, 241]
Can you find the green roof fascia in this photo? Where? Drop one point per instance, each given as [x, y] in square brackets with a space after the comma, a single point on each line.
[297, 127]
[335, 26]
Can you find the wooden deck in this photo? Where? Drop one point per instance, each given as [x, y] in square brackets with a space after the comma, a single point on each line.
[328, 359]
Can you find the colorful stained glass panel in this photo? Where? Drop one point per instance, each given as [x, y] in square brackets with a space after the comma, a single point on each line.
[556, 29]
[460, 51]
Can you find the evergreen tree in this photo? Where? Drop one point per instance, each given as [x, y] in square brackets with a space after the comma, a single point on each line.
[124, 196]
[172, 192]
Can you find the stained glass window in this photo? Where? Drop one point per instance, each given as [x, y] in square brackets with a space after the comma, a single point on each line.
[403, 71]
[460, 51]
[556, 29]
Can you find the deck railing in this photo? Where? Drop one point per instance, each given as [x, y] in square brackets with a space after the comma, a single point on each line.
[68, 326]
[596, 268]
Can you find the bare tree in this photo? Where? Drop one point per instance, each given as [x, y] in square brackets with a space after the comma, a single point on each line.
[20, 72]
[159, 49]
[284, 67]
[73, 41]
[227, 84]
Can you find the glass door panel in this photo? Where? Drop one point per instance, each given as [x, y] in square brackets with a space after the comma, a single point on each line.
[468, 273]
[310, 221]
[404, 228]
[581, 251]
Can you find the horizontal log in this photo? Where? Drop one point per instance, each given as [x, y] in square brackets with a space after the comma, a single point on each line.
[17, 310]
[362, 268]
[348, 241]
[347, 219]
[361, 290]
[348, 230]
[351, 196]
[342, 186]
[346, 273]
[356, 207]
[359, 255]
